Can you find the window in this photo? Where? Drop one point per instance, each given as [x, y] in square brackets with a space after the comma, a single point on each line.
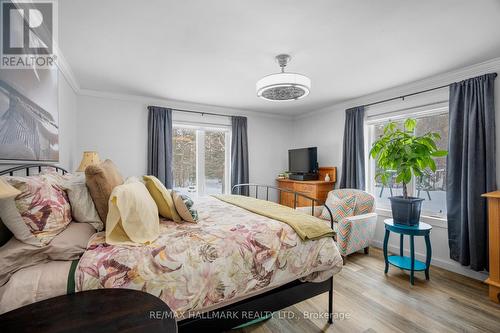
[184, 149]
[201, 159]
[431, 186]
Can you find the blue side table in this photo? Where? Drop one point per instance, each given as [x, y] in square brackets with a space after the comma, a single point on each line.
[408, 263]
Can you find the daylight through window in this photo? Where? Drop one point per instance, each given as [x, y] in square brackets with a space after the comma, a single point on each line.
[432, 185]
[201, 159]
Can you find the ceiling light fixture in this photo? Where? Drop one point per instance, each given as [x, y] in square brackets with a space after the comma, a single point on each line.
[283, 86]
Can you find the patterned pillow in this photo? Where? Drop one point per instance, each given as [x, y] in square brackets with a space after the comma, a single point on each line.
[82, 206]
[340, 208]
[43, 209]
[184, 206]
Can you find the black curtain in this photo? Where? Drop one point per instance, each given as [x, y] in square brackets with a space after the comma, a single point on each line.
[471, 169]
[160, 144]
[353, 156]
[239, 153]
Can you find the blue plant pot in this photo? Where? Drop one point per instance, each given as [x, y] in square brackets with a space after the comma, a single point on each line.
[406, 211]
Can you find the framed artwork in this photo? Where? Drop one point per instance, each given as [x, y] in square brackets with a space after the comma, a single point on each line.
[29, 119]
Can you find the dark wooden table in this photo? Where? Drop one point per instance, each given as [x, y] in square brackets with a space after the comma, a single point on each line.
[102, 310]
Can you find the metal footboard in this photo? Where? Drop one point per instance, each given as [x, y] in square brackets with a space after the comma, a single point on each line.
[296, 195]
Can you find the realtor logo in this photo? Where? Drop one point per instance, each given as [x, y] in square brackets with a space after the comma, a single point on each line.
[28, 30]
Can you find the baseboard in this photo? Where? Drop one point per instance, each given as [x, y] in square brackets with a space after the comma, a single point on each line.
[449, 265]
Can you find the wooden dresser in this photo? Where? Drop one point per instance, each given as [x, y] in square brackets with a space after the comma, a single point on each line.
[494, 244]
[317, 189]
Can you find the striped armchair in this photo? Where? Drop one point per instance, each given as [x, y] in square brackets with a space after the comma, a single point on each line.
[354, 231]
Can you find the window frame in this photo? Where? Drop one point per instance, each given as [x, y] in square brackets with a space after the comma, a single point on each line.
[383, 117]
[200, 129]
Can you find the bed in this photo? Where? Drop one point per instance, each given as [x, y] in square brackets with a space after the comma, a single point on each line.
[230, 267]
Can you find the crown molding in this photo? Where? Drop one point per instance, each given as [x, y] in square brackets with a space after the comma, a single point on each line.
[65, 69]
[449, 77]
[70, 77]
[445, 78]
[176, 104]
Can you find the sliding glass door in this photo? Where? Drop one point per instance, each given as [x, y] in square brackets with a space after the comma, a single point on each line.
[201, 159]
[184, 151]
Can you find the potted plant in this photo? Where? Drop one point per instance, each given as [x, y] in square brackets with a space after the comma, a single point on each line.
[401, 154]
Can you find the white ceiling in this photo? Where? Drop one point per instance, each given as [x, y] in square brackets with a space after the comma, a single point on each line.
[213, 52]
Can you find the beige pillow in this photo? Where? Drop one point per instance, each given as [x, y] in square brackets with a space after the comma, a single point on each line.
[184, 206]
[82, 206]
[68, 245]
[162, 198]
[101, 179]
[132, 217]
[10, 214]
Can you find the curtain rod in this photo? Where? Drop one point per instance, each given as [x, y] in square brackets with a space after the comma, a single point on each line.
[369, 104]
[198, 112]
[407, 95]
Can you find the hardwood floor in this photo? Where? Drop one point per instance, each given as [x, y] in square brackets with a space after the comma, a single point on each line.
[366, 300]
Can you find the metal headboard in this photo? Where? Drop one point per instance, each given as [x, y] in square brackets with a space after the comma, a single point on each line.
[280, 191]
[28, 167]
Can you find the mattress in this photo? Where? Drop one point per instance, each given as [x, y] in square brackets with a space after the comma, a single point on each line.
[228, 255]
[34, 284]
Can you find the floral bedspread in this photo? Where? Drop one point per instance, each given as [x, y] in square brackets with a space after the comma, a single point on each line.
[228, 254]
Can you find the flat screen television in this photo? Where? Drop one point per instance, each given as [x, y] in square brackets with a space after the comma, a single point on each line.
[303, 160]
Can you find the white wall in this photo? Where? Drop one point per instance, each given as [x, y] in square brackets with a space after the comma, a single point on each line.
[325, 127]
[68, 154]
[116, 127]
[268, 144]
[322, 130]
